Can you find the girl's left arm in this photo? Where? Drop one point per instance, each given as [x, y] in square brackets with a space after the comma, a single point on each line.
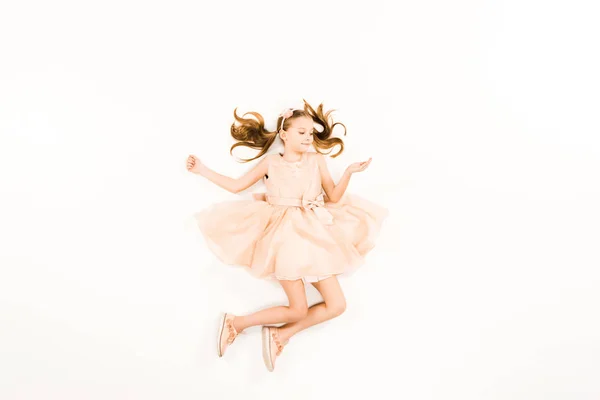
[334, 192]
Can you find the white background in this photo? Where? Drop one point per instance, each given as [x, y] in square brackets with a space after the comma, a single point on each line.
[482, 121]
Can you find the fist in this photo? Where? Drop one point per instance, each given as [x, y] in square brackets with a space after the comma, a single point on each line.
[359, 166]
[193, 164]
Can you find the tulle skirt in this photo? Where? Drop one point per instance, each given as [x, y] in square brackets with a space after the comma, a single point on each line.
[291, 242]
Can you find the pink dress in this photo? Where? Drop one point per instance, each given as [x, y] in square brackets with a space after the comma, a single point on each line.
[294, 234]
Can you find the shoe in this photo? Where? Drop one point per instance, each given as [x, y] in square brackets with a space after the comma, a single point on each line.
[227, 333]
[271, 346]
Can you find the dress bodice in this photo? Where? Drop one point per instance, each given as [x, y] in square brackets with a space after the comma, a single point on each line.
[294, 180]
[297, 184]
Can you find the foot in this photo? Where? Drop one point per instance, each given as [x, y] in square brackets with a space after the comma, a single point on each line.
[227, 333]
[272, 346]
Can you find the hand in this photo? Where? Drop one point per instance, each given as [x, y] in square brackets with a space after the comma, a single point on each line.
[193, 164]
[358, 166]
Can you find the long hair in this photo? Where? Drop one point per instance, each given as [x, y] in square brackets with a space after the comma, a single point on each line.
[251, 132]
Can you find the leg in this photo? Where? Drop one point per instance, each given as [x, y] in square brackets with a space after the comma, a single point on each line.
[334, 305]
[296, 310]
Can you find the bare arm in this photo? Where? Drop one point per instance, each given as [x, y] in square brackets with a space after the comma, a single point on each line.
[333, 191]
[233, 185]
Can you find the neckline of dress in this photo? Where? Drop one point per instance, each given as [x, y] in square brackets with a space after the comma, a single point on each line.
[292, 162]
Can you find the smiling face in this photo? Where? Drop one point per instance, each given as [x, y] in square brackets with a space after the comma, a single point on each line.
[299, 134]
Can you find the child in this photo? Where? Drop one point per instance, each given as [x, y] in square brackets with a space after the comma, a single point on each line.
[303, 229]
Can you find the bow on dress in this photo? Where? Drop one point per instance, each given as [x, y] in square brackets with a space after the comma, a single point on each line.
[318, 207]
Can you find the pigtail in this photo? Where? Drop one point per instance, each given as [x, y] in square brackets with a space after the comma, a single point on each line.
[323, 140]
[251, 133]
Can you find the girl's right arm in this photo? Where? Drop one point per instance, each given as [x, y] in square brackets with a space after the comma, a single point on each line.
[233, 185]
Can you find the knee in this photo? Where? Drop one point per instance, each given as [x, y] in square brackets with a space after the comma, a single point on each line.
[336, 309]
[297, 313]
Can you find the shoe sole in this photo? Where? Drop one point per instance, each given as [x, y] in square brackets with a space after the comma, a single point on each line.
[220, 334]
[266, 348]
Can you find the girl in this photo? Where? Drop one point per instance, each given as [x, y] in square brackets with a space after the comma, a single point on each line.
[303, 229]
